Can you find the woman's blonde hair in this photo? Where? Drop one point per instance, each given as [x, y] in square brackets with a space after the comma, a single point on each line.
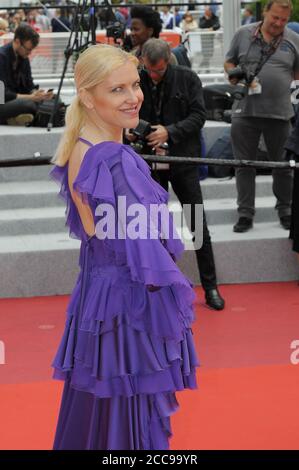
[91, 69]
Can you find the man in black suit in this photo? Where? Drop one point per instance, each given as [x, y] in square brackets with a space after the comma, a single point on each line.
[173, 104]
[21, 97]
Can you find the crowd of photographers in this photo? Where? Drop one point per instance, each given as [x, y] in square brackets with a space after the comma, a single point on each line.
[262, 62]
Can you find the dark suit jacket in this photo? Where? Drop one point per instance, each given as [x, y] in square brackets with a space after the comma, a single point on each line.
[183, 110]
[16, 80]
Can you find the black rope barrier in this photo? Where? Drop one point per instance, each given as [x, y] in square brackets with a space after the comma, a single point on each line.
[44, 160]
[222, 162]
[12, 162]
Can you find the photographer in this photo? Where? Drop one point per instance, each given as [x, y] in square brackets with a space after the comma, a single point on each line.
[21, 99]
[263, 59]
[173, 105]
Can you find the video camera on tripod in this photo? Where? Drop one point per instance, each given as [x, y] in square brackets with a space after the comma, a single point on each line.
[114, 28]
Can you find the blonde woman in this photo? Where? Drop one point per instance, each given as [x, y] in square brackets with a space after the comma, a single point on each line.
[127, 345]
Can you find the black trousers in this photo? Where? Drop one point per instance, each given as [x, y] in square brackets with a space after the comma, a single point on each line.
[15, 107]
[185, 183]
[246, 133]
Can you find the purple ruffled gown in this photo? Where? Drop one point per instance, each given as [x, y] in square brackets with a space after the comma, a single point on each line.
[125, 350]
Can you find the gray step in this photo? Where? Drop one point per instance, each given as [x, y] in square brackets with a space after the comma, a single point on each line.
[25, 173]
[33, 265]
[48, 219]
[214, 188]
[48, 265]
[19, 142]
[32, 221]
[29, 194]
[264, 254]
[224, 211]
[35, 192]
[24, 142]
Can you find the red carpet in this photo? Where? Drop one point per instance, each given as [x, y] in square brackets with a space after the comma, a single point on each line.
[248, 388]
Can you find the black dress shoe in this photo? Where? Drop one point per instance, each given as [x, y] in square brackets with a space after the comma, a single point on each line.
[243, 225]
[214, 299]
[285, 221]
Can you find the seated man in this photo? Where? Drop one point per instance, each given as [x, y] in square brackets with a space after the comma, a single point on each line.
[21, 97]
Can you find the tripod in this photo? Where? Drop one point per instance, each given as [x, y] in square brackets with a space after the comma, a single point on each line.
[78, 41]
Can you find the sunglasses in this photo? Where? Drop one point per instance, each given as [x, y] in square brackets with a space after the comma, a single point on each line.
[160, 72]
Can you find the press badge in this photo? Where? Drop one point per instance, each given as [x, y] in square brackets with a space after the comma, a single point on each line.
[160, 166]
[255, 87]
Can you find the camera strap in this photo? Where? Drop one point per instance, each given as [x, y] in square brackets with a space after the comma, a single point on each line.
[158, 92]
[267, 50]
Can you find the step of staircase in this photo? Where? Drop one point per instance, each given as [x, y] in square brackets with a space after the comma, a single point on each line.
[32, 221]
[28, 194]
[263, 254]
[25, 173]
[17, 192]
[224, 211]
[32, 207]
[214, 188]
[23, 142]
[35, 265]
[38, 257]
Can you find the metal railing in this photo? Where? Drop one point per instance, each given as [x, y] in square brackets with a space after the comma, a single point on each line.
[47, 58]
[206, 51]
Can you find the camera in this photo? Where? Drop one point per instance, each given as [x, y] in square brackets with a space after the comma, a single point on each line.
[244, 77]
[115, 30]
[140, 132]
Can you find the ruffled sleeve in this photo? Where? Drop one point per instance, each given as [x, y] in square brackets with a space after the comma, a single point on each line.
[73, 221]
[97, 183]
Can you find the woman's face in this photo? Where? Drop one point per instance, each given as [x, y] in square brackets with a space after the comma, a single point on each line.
[116, 102]
[139, 32]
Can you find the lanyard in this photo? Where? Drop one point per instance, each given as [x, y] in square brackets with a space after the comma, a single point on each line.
[267, 50]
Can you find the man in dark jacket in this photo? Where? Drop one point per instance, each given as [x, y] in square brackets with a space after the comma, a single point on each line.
[173, 104]
[21, 99]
